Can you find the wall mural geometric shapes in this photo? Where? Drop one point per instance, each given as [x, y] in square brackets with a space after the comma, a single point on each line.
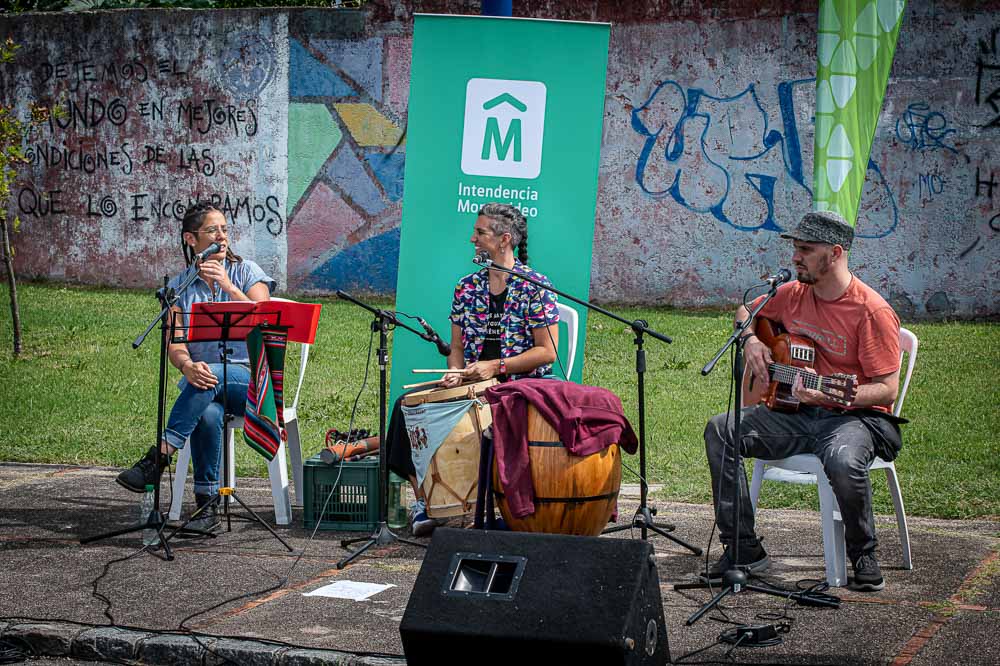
[308, 77]
[388, 168]
[369, 266]
[348, 174]
[321, 227]
[360, 60]
[368, 126]
[397, 68]
[312, 136]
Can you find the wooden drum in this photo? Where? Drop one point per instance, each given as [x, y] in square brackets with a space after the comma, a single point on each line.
[453, 476]
[573, 494]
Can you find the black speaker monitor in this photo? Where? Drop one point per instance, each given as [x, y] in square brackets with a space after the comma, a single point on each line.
[492, 597]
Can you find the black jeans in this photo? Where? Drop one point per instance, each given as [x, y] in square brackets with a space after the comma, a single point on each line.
[842, 442]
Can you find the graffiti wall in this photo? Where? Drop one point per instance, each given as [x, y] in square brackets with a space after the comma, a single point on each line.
[708, 157]
[151, 110]
[294, 121]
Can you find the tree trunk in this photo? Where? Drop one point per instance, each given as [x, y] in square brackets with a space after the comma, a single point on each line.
[8, 260]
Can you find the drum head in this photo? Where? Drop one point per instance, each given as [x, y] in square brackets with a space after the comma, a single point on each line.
[465, 391]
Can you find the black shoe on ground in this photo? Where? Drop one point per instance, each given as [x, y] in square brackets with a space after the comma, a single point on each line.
[867, 574]
[143, 473]
[208, 519]
[752, 558]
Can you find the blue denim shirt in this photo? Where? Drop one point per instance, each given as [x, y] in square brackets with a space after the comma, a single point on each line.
[244, 274]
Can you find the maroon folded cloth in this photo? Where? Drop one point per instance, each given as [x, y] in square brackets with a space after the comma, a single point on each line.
[588, 419]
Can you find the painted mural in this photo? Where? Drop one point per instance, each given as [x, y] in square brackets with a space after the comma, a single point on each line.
[346, 150]
[296, 125]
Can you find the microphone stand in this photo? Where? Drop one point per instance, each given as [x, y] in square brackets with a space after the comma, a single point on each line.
[382, 536]
[734, 580]
[156, 520]
[643, 517]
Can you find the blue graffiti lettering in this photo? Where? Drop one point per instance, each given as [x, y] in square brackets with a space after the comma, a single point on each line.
[930, 184]
[923, 129]
[719, 156]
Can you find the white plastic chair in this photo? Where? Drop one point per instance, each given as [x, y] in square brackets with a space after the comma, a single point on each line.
[277, 469]
[569, 316]
[806, 468]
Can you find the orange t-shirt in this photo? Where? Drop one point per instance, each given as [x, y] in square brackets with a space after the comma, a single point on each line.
[856, 334]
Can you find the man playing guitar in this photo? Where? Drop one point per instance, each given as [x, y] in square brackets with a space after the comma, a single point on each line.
[854, 333]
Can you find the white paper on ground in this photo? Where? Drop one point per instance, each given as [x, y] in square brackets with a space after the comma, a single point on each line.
[348, 589]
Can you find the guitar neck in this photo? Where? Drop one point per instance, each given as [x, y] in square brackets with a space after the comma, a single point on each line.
[786, 374]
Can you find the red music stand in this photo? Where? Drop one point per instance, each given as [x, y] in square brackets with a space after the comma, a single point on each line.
[301, 319]
[233, 320]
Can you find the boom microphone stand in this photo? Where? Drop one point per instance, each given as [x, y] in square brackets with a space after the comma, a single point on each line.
[643, 517]
[382, 536]
[734, 580]
[156, 520]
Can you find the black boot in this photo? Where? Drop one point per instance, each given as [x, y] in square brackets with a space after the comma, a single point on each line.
[208, 519]
[143, 473]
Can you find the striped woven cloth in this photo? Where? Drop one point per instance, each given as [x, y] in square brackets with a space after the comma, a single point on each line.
[264, 422]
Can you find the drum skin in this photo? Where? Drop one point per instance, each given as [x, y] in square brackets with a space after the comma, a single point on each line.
[573, 494]
[453, 476]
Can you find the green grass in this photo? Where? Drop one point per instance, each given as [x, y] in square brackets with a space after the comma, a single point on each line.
[80, 394]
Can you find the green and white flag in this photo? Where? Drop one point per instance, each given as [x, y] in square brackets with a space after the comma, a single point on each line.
[855, 47]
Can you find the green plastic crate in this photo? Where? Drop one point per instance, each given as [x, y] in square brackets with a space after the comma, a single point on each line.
[355, 502]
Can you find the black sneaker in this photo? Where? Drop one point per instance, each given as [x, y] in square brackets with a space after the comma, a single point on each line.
[867, 574]
[208, 519]
[752, 558]
[143, 473]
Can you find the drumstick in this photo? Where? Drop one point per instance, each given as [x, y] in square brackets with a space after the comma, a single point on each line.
[426, 371]
[433, 381]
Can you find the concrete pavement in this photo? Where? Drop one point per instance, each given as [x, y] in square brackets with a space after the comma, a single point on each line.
[239, 598]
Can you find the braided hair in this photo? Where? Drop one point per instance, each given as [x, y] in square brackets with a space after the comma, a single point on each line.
[507, 219]
[194, 217]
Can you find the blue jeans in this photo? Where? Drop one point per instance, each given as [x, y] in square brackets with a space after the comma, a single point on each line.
[197, 414]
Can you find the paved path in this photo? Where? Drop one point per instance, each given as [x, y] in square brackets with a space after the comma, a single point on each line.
[240, 596]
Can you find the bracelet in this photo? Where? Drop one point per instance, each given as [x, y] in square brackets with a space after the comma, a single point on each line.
[503, 366]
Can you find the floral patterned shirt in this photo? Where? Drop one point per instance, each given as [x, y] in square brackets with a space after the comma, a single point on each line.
[527, 307]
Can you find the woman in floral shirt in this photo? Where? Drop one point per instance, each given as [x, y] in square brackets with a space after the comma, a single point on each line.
[501, 326]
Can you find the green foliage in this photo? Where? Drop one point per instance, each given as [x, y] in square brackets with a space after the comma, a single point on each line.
[81, 394]
[12, 131]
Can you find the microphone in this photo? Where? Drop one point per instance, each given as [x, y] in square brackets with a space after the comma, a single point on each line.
[207, 252]
[483, 258]
[443, 348]
[781, 277]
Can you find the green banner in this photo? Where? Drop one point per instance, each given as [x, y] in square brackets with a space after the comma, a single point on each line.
[501, 109]
[855, 47]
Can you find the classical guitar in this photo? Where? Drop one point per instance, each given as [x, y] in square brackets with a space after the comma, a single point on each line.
[790, 354]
